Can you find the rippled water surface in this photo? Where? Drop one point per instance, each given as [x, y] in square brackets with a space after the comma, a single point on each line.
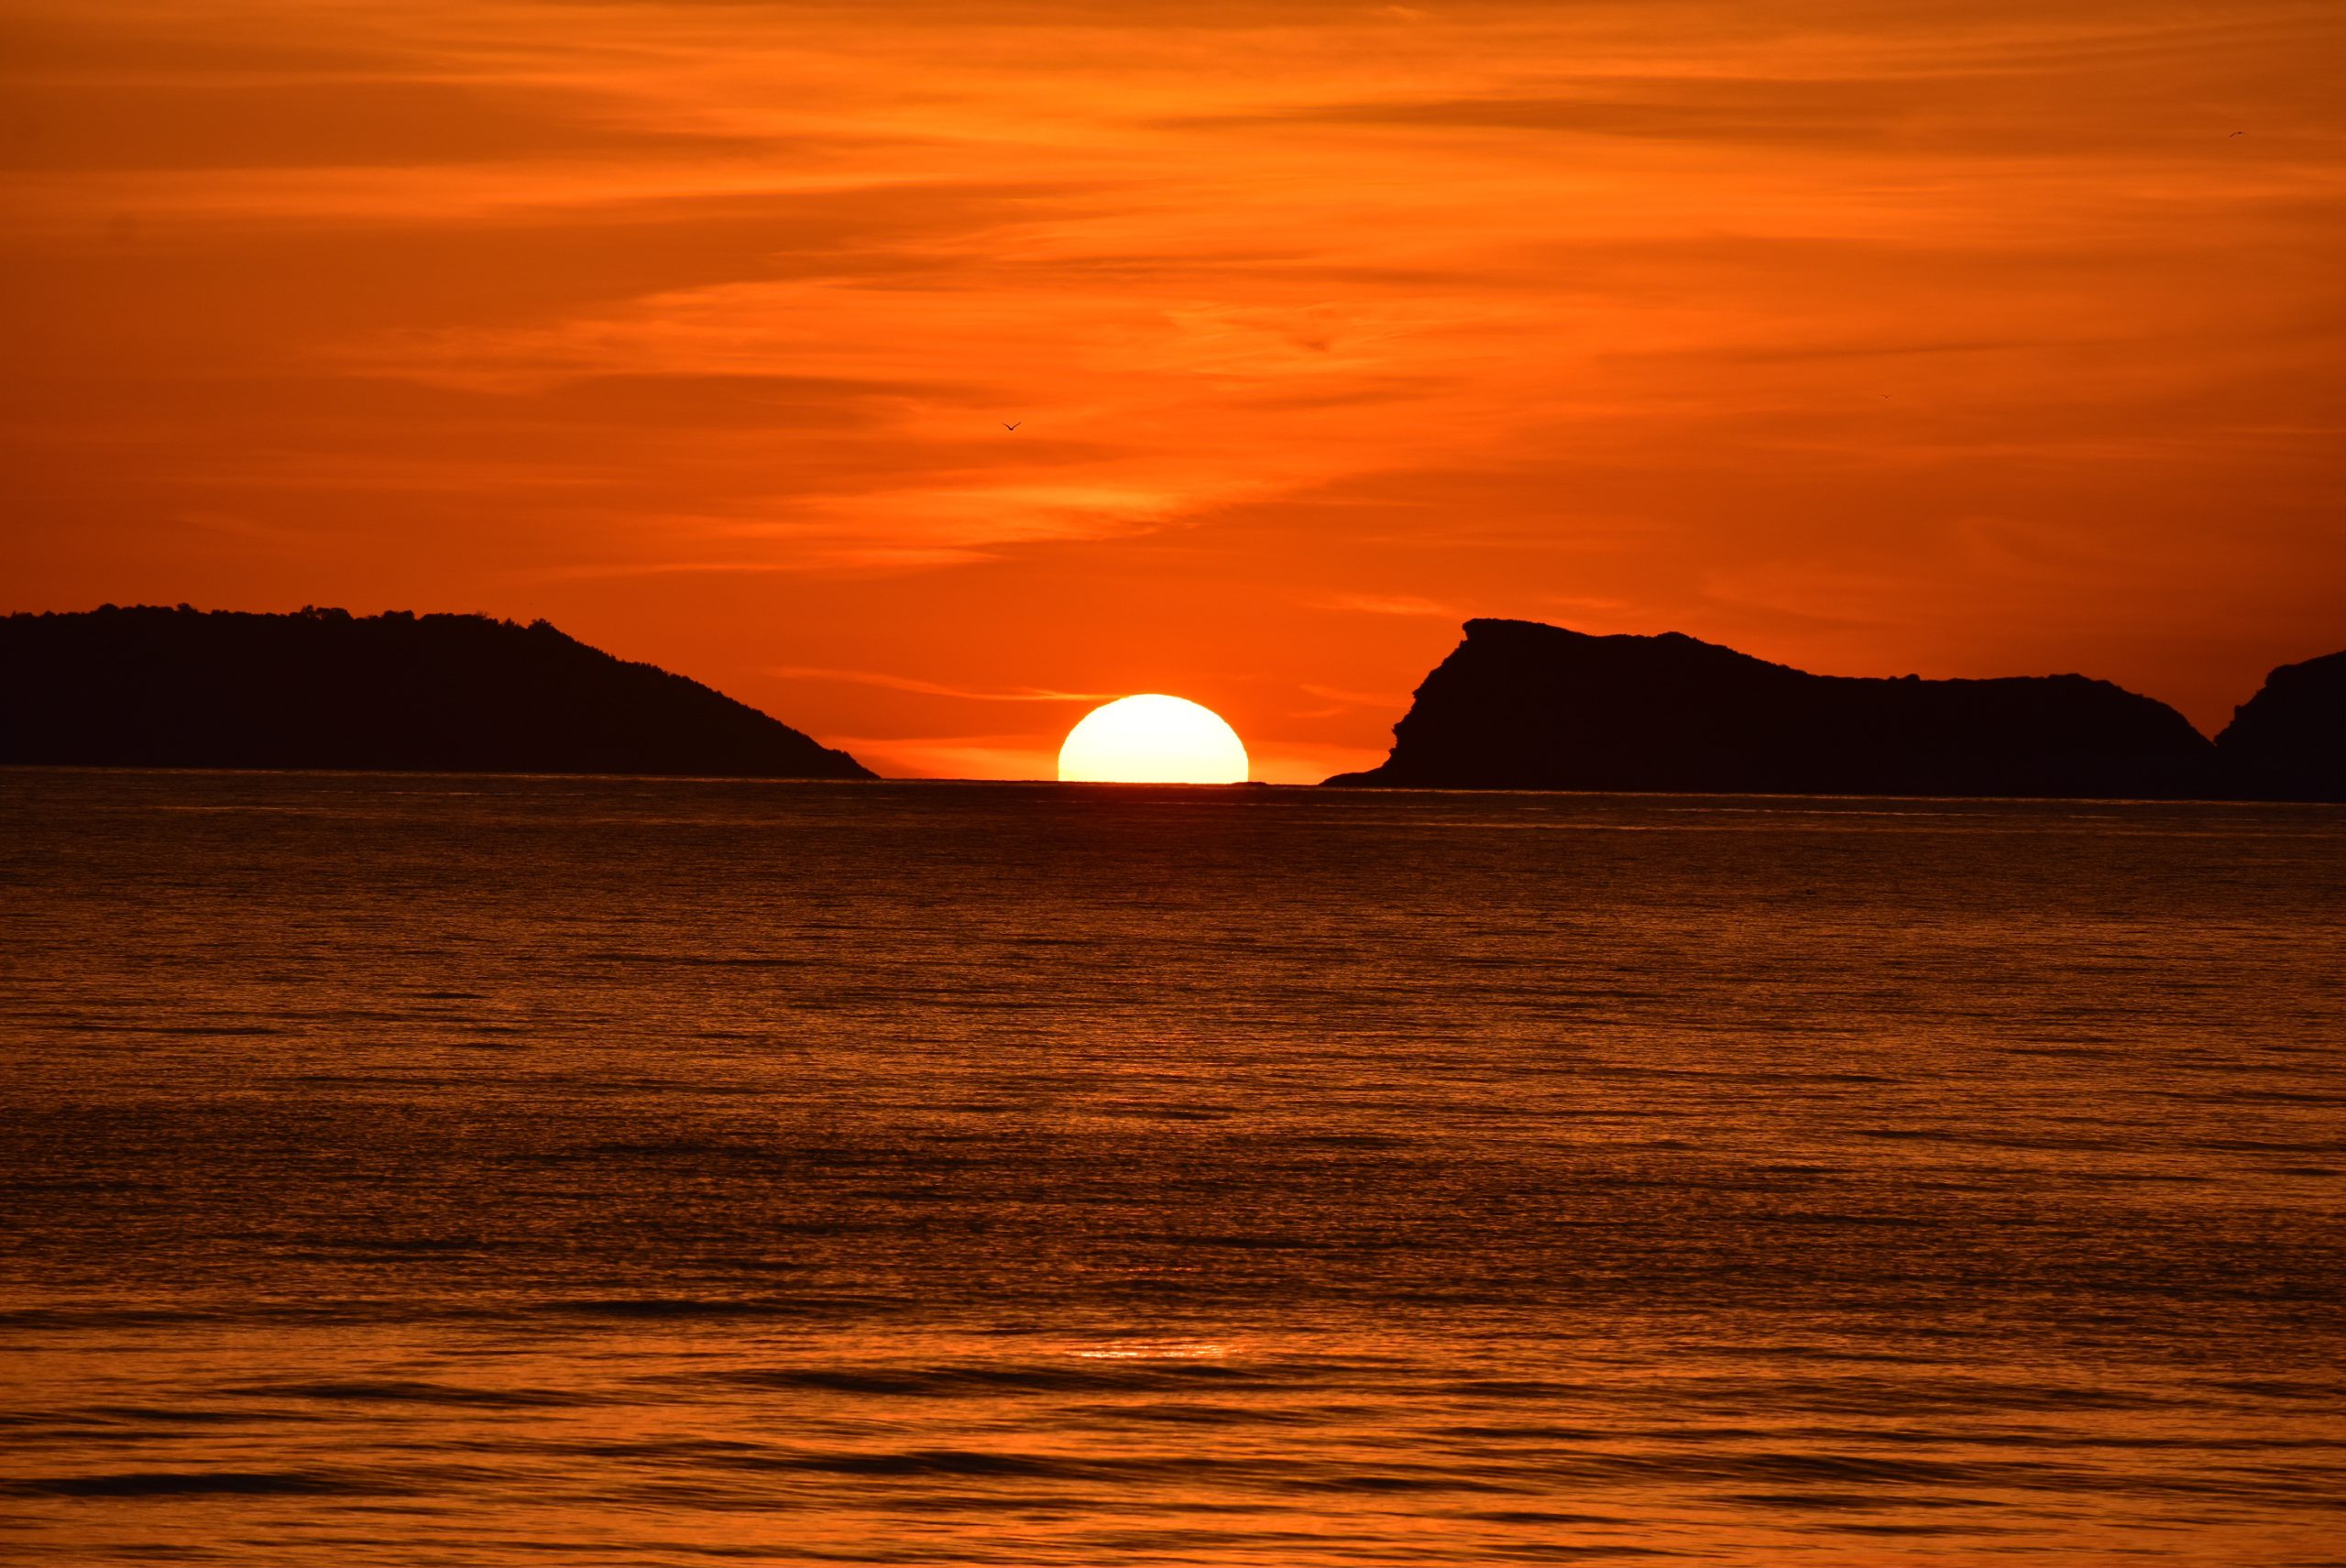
[480, 1171]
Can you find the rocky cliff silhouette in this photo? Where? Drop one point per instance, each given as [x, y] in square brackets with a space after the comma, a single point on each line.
[1522, 706]
[182, 688]
[2288, 741]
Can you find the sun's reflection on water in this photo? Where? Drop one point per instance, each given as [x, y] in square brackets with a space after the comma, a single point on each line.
[1166, 1350]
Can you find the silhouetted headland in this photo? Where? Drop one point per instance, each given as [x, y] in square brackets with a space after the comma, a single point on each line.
[183, 689]
[2288, 741]
[1522, 706]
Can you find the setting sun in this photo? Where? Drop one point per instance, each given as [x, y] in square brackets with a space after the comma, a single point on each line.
[1152, 740]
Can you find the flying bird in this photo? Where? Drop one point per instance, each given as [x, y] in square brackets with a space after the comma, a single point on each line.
[2236, 134]
[1013, 424]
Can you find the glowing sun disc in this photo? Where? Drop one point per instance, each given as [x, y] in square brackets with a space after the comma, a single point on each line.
[1152, 740]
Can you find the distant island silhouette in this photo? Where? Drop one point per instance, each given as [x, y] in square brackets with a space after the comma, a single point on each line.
[149, 687]
[1516, 704]
[1520, 705]
[2288, 741]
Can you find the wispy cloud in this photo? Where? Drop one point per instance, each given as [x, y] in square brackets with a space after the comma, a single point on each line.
[953, 756]
[1392, 604]
[1340, 696]
[935, 688]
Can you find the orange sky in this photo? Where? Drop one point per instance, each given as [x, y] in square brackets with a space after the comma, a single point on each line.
[1963, 339]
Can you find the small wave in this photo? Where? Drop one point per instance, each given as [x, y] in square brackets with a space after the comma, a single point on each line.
[180, 1415]
[1094, 1375]
[188, 1483]
[396, 1392]
[2278, 1388]
[1820, 1501]
[1189, 1415]
[938, 1462]
[106, 1317]
[686, 1308]
[1802, 1469]
[1386, 1483]
[1908, 1527]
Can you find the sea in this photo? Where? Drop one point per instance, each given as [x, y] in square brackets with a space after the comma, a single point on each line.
[499, 1170]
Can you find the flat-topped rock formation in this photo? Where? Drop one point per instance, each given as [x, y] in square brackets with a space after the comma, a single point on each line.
[181, 688]
[2288, 741]
[1522, 706]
